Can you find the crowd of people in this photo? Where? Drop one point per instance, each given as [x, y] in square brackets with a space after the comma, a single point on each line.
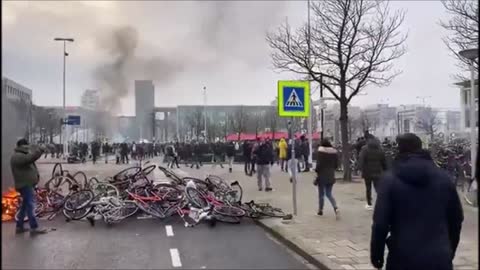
[417, 214]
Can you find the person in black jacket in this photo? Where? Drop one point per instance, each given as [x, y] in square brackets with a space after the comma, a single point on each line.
[217, 150]
[197, 154]
[327, 163]
[372, 163]
[247, 155]
[305, 150]
[263, 157]
[230, 151]
[419, 206]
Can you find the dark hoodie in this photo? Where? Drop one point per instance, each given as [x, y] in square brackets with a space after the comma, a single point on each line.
[420, 208]
[372, 160]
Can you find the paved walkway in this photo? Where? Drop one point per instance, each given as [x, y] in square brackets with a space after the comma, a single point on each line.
[336, 244]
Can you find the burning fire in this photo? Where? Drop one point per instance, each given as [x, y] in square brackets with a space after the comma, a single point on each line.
[9, 204]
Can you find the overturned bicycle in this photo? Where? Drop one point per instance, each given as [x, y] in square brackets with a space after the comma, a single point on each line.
[134, 192]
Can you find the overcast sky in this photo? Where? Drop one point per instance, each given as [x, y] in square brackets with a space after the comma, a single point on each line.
[184, 46]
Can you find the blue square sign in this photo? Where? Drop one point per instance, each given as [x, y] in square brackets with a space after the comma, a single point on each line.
[294, 98]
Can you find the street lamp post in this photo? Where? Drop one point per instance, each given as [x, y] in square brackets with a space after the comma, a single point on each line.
[64, 127]
[471, 55]
[205, 112]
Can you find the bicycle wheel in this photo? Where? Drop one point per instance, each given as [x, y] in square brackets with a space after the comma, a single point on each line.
[167, 191]
[81, 178]
[105, 190]
[218, 182]
[57, 170]
[127, 174]
[93, 181]
[78, 200]
[196, 198]
[152, 208]
[270, 211]
[147, 170]
[127, 209]
[199, 184]
[227, 219]
[77, 214]
[60, 184]
[231, 211]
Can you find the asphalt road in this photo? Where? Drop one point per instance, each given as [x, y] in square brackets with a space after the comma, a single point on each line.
[143, 244]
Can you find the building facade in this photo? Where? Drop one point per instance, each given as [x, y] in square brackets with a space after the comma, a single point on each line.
[465, 104]
[144, 109]
[91, 100]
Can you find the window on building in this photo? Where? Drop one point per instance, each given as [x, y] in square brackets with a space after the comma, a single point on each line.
[467, 118]
[466, 93]
[406, 126]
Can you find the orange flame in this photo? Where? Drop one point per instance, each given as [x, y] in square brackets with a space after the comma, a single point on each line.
[9, 204]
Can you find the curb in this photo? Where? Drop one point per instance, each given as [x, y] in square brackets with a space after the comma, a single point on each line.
[294, 247]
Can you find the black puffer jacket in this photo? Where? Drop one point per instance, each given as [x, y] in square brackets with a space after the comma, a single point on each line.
[372, 160]
[420, 208]
[327, 163]
[230, 149]
[264, 154]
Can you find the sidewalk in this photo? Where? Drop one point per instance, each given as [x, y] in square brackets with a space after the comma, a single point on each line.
[342, 244]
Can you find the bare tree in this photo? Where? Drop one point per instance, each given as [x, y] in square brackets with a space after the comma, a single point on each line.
[428, 122]
[463, 30]
[46, 122]
[238, 121]
[256, 120]
[272, 120]
[353, 44]
[195, 121]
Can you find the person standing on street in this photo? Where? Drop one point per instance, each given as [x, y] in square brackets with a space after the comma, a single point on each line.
[217, 154]
[419, 208]
[247, 155]
[327, 163]
[282, 153]
[197, 155]
[264, 157]
[305, 150]
[95, 151]
[26, 177]
[230, 151]
[372, 163]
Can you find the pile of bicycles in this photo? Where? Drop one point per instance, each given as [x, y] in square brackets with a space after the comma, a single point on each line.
[133, 191]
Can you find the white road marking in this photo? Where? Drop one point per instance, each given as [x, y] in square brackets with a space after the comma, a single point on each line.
[169, 230]
[175, 257]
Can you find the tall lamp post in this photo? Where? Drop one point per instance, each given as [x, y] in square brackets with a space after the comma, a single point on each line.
[471, 55]
[64, 127]
[205, 112]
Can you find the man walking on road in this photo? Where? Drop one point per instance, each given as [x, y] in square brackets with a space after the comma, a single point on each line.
[217, 154]
[230, 151]
[418, 205]
[26, 177]
[247, 155]
[264, 157]
[372, 163]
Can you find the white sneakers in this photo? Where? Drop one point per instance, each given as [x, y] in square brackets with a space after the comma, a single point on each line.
[368, 207]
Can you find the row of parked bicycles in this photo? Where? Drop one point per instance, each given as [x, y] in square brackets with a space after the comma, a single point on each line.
[134, 190]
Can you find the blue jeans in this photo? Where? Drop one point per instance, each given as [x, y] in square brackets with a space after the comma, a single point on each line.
[326, 190]
[27, 208]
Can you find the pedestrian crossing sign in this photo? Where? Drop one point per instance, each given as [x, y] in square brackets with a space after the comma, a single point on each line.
[294, 98]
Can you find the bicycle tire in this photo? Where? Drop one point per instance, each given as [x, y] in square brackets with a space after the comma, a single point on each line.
[56, 185]
[57, 165]
[168, 192]
[200, 184]
[127, 176]
[84, 176]
[128, 209]
[152, 208]
[102, 189]
[227, 219]
[227, 210]
[147, 170]
[196, 198]
[270, 211]
[77, 214]
[78, 200]
[92, 182]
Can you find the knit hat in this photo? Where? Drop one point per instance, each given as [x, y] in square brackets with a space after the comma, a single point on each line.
[21, 142]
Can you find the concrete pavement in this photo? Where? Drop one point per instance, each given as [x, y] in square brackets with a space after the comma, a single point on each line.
[331, 243]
